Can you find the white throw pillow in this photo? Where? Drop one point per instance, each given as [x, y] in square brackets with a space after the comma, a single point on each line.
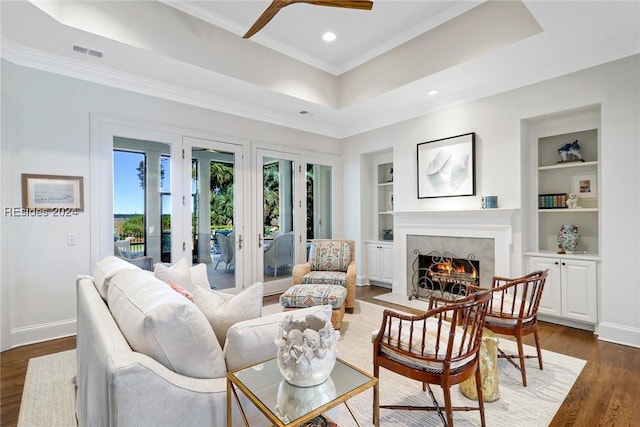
[224, 310]
[181, 274]
[164, 325]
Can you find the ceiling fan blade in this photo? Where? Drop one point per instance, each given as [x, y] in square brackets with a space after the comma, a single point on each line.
[352, 4]
[276, 5]
[266, 16]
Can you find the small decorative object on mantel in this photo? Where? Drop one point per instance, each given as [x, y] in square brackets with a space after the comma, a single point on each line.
[489, 202]
[568, 238]
[306, 350]
[570, 152]
[572, 201]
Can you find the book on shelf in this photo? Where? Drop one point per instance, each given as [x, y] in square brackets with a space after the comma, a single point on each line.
[552, 201]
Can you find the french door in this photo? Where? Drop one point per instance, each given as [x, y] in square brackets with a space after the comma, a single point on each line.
[216, 228]
[278, 219]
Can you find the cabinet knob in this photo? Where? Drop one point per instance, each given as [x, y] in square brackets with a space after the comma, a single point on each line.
[564, 263]
[556, 263]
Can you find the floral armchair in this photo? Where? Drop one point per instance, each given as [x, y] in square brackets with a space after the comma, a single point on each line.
[331, 262]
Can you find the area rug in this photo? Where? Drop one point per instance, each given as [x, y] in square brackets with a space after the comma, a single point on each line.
[545, 391]
[48, 397]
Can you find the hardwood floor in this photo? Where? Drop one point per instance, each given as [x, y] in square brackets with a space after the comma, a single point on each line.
[605, 394]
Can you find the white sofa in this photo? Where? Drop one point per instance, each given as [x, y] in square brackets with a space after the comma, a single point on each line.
[117, 386]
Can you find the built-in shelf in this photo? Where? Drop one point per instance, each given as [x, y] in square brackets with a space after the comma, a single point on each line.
[569, 211]
[568, 165]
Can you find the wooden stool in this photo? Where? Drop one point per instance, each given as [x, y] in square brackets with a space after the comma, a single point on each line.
[301, 296]
[488, 371]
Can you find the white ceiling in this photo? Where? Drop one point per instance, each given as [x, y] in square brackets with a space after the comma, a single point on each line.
[159, 50]
[297, 29]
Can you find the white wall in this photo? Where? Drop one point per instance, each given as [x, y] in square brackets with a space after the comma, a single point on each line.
[497, 123]
[46, 130]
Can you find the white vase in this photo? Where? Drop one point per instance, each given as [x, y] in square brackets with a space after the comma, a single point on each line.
[306, 350]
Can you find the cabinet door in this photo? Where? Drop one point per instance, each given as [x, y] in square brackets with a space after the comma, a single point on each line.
[373, 262]
[579, 290]
[386, 262]
[551, 300]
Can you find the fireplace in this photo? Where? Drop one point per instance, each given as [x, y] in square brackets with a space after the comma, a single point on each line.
[488, 234]
[443, 274]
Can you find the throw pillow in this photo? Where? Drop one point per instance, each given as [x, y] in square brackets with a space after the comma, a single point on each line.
[182, 291]
[224, 310]
[181, 274]
[158, 322]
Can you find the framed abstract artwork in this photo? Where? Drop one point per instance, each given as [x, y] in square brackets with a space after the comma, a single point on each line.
[446, 167]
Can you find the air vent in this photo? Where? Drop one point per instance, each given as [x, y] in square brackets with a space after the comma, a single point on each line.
[87, 51]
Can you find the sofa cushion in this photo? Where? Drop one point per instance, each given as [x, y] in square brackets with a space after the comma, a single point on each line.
[325, 278]
[252, 341]
[183, 275]
[105, 269]
[164, 325]
[312, 295]
[330, 255]
[223, 310]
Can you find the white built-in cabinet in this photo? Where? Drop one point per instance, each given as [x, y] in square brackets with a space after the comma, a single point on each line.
[570, 291]
[377, 195]
[380, 262]
[384, 206]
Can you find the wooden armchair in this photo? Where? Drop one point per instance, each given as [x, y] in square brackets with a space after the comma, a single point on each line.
[331, 262]
[513, 310]
[440, 347]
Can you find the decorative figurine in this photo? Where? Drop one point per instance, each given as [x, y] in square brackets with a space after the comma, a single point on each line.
[572, 201]
[570, 152]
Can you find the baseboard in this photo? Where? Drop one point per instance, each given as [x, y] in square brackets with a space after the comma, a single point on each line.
[619, 334]
[43, 332]
[567, 322]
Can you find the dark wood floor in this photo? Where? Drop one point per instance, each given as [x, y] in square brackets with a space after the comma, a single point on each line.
[605, 394]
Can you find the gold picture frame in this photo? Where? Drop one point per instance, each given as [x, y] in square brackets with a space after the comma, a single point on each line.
[52, 192]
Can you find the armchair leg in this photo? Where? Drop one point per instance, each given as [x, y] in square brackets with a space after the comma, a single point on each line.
[539, 351]
[523, 369]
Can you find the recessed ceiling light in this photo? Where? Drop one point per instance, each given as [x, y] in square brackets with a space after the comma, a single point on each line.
[328, 36]
[432, 92]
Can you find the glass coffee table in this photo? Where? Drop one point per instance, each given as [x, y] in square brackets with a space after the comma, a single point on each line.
[287, 405]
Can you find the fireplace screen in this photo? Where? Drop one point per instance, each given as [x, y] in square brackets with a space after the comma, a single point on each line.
[444, 274]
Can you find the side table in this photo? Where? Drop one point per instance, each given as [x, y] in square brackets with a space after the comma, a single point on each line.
[488, 371]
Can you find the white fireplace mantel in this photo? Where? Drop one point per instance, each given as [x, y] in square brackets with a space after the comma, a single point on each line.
[496, 224]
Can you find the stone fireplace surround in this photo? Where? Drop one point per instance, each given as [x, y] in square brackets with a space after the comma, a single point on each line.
[468, 231]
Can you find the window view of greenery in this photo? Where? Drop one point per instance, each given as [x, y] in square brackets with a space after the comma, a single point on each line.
[131, 205]
[222, 195]
[271, 202]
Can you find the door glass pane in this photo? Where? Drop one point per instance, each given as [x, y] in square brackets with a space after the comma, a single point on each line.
[318, 186]
[213, 214]
[141, 182]
[278, 218]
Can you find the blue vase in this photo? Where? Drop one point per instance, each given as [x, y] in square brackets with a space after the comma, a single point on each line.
[568, 237]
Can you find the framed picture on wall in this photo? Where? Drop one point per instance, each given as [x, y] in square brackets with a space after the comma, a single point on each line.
[446, 167]
[52, 192]
[584, 185]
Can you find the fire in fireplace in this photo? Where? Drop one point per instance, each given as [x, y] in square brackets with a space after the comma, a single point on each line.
[443, 273]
